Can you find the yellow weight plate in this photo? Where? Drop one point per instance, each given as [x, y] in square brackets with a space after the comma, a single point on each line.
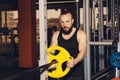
[62, 56]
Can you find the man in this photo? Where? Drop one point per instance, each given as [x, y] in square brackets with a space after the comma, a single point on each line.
[74, 41]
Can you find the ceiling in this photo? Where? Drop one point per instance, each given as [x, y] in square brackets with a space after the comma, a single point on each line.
[9, 4]
[13, 4]
[7, 1]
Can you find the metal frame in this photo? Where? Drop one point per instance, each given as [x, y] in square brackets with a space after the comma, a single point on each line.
[43, 36]
[53, 2]
[43, 32]
[86, 28]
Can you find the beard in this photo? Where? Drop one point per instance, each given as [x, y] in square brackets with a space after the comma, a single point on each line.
[66, 32]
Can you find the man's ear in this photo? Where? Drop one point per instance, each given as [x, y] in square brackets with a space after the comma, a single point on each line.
[72, 20]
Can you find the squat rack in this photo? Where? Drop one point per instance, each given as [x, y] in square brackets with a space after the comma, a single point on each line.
[43, 33]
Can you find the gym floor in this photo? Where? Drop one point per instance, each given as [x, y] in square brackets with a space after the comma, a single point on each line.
[14, 72]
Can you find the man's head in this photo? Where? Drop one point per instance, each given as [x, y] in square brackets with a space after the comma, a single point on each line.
[66, 21]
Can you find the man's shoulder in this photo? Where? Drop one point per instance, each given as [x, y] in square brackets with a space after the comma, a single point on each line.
[56, 33]
[81, 31]
[81, 35]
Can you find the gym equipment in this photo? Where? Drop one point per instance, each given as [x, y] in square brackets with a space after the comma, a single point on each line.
[61, 57]
[115, 59]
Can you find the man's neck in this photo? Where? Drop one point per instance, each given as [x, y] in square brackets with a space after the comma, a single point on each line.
[68, 36]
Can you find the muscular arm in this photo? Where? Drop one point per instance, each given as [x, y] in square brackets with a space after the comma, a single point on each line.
[82, 43]
[54, 41]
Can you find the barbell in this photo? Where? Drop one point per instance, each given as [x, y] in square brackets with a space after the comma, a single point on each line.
[55, 64]
[61, 56]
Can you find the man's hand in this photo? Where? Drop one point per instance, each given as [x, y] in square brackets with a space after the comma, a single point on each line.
[70, 64]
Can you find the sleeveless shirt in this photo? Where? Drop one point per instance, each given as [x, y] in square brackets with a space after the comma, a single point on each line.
[71, 45]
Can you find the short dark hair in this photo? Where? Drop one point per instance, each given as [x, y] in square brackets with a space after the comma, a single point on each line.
[66, 11]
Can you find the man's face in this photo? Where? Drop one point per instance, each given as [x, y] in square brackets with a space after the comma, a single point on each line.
[66, 22]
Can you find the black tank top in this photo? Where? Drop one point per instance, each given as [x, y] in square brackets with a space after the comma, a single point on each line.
[71, 45]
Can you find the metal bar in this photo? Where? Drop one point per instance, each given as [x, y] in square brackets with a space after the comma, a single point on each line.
[86, 23]
[61, 2]
[93, 30]
[117, 72]
[113, 18]
[43, 35]
[77, 14]
[116, 18]
[100, 31]
[102, 73]
[100, 19]
[31, 71]
[93, 19]
[106, 12]
[55, 2]
[100, 43]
